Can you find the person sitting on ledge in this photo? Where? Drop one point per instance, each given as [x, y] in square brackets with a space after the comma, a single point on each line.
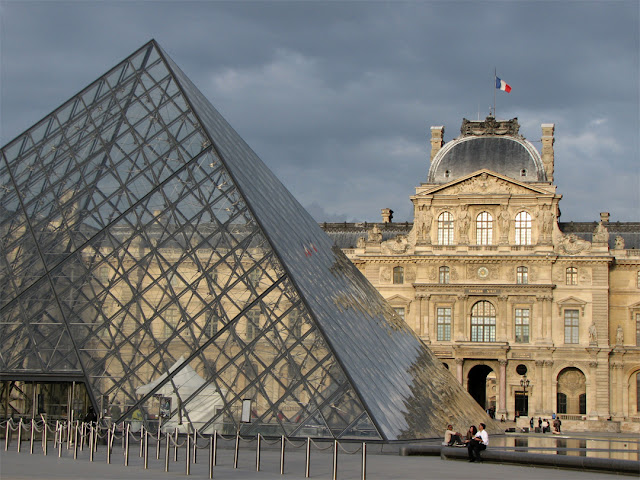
[478, 443]
[451, 438]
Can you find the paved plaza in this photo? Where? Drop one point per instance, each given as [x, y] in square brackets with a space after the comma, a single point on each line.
[383, 466]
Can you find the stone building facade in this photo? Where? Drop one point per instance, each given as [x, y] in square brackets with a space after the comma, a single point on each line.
[532, 316]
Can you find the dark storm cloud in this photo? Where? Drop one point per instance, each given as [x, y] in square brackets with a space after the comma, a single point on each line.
[337, 98]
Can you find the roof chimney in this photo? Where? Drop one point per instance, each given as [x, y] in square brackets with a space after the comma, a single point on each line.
[437, 140]
[604, 217]
[387, 215]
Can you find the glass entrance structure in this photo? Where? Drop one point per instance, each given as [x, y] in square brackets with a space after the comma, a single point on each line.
[148, 254]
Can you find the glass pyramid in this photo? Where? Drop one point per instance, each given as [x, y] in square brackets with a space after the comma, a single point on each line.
[148, 253]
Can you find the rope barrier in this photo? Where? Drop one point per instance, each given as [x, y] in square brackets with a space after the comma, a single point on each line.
[348, 452]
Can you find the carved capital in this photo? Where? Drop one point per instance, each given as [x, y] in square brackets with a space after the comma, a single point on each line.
[459, 361]
[539, 363]
[593, 364]
[548, 363]
[502, 362]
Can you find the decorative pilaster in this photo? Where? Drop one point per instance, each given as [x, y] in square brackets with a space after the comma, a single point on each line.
[459, 365]
[422, 326]
[504, 314]
[461, 308]
[502, 400]
[538, 386]
[592, 401]
[547, 390]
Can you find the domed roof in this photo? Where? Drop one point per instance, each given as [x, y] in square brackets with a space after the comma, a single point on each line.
[490, 144]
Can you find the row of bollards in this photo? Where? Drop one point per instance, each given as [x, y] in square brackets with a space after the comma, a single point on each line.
[75, 434]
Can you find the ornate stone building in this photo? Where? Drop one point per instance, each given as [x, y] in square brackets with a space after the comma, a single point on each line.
[532, 316]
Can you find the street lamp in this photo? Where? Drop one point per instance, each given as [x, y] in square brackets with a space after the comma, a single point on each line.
[524, 383]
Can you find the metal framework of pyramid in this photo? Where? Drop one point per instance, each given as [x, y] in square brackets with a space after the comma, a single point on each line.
[147, 252]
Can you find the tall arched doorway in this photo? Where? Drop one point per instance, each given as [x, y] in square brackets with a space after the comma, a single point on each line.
[572, 392]
[482, 385]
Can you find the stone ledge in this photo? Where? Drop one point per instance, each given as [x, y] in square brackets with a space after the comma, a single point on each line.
[523, 458]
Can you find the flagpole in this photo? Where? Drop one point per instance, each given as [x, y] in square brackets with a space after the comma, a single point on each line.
[495, 79]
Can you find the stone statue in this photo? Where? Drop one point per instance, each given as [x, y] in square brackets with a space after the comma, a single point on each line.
[619, 243]
[593, 334]
[547, 221]
[619, 336]
[361, 242]
[600, 234]
[374, 235]
[464, 224]
[503, 218]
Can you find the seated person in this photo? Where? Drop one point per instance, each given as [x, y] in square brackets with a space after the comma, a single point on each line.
[451, 437]
[478, 443]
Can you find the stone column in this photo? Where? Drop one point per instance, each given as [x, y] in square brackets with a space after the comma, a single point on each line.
[502, 401]
[539, 317]
[616, 390]
[459, 365]
[592, 401]
[422, 325]
[547, 390]
[461, 316]
[538, 388]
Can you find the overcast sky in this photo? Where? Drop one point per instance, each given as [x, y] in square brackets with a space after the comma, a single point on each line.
[338, 97]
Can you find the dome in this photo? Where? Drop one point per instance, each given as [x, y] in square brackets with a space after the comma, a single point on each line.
[480, 147]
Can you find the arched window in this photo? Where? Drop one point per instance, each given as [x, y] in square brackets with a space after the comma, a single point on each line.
[522, 275]
[571, 392]
[444, 275]
[445, 229]
[483, 322]
[484, 229]
[523, 229]
[572, 276]
[398, 275]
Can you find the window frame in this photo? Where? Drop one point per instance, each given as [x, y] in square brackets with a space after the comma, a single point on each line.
[444, 275]
[483, 323]
[522, 275]
[444, 322]
[398, 275]
[523, 228]
[446, 229]
[253, 324]
[522, 325]
[484, 228]
[571, 276]
[571, 318]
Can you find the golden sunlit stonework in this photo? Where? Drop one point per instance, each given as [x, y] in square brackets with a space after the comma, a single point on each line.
[533, 316]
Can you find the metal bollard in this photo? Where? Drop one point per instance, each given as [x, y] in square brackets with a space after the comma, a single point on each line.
[307, 466]
[75, 442]
[335, 460]
[158, 443]
[92, 441]
[44, 439]
[235, 455]
[7, 435]
[282, 442]
[194, 456]
[188, 454]
[31, 439]
[175, 446]
[364, 461]
[109, 440]
[19, 434]
[215, 447]
[83, 433]
[258, 453]
[142, 430]
[146, 449]
[166, 452]
[211, 448]
[126, 447]
[60, 442]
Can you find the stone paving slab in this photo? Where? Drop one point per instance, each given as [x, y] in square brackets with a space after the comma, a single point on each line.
[17, 466]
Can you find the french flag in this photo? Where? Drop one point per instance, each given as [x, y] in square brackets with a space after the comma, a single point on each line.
[502, 85]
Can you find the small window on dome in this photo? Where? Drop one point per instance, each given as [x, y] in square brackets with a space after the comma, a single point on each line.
[446, 174]
[523, 172]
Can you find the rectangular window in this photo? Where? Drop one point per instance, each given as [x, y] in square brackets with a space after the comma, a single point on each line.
[522, 325]
[400, 312]
[571, 326]
[253, 324]
[170, 321]
[572, 276]
[444, 324]
[638, 331]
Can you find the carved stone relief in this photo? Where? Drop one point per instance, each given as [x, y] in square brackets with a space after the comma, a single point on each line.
[487, 184]
[395, 246]
[572, 245]
[385, 274]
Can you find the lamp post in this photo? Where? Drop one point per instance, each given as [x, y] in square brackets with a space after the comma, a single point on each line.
[524, 383]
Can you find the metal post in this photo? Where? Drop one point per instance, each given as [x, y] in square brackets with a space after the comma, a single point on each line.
[109, 440]
[92, 439]
[75, 442]
[282, 442]
[175, 446]
[166, 452]
[146, 449]
[335, 460]
[7, 435]
[83, 432]
[215, 447]
[235, 455]
[31, 439]
[19, 434]
[194, 457]
[307, 466]
[188, 454]
[364, 460]
[60, 441]
[158, 443]
[44, 438]
[258, 453]
[142, 430]
[211, 457]
[126, 446]
[122, 438]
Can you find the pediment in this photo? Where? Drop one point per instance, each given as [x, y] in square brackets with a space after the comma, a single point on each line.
[571, 302]
[486, 182]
